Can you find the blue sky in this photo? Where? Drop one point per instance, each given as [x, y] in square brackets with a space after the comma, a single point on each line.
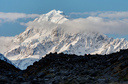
[12, 27]
[43, 6]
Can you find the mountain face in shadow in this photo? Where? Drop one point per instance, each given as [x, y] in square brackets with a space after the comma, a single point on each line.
[8, 72]
[70, 69]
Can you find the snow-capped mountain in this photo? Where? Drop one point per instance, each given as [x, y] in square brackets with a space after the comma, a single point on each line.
[54, 16]
[45, 35]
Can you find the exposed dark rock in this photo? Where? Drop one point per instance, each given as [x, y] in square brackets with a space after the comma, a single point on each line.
[7, 72]
[70, 69]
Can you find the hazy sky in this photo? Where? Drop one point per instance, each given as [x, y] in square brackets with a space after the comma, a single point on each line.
[13, 12]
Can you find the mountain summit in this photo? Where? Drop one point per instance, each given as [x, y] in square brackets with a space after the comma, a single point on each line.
[54, 16]
[45, 35]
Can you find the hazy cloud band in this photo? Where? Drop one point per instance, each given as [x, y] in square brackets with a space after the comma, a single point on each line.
[8, 17]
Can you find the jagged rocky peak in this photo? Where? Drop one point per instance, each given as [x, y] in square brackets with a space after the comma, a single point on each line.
[45, 24]
[53, 16]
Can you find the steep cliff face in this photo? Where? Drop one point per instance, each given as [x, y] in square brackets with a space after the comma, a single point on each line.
[45, 35]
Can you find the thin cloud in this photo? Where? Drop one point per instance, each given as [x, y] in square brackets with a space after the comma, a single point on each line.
[114, 14]
[89, 24]
[6, 44]
[104, 22]
[8, 17]
[85, 13]
[107, 14]
[98, 24]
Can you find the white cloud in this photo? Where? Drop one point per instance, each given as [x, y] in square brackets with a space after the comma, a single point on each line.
[85, 13]
[98, 24]
[6, 44]
[115, 23]
[41, 25]
[108, 14]
[90, 23]
[7, 17]
[0, 21]
[113, 14]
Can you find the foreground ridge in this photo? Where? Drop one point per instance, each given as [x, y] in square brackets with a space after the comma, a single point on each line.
[72, 69]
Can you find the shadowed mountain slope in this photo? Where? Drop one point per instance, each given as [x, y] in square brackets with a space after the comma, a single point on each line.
[72, 69]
